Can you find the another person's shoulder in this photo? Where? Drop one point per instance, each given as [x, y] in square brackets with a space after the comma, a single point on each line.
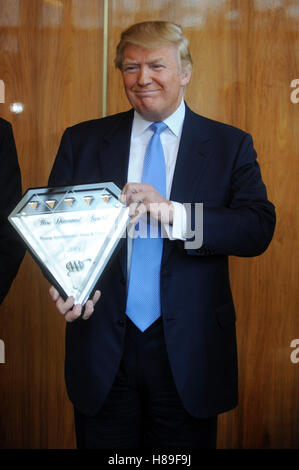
[5, 125]
[6, 132]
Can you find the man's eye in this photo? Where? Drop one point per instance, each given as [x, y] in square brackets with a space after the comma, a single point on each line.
[157, 66]
[130, 68]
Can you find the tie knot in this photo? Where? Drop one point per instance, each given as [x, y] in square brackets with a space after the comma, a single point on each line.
[158, 127]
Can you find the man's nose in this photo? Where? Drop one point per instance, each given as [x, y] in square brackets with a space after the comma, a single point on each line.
[144, 77]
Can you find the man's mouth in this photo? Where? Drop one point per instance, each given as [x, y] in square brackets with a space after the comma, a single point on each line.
[145, 92]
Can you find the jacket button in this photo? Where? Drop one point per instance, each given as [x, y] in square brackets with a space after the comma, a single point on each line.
[121, 323]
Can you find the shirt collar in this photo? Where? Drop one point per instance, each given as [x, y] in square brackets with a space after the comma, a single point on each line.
[174, 122]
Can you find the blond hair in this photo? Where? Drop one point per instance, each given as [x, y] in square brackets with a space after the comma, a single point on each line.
[152, 34]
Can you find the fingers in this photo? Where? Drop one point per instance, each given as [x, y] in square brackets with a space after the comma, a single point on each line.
[70, 311]
[53, 293]
[129, 191]
[96, 296]
[138, 197]
[144, 198]
[62, 306]
[89, 306]
[132, 195]
[136, 210]
[66, 307]
[74, 313]
[138, 192]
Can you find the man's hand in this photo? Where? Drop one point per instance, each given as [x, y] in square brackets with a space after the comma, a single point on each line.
[143, 198]
[70, 311]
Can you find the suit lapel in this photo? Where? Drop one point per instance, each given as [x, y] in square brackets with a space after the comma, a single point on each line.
[114, 158]
[194, 150]
[115, 149]
[193, 157]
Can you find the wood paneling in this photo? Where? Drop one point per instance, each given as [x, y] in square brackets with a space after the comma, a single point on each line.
[244, 61]
[244, 55]
[51, 61]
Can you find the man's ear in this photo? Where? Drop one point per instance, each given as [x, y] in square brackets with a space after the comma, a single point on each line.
[185, 77]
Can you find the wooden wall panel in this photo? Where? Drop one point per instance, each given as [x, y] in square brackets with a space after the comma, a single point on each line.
[244, 54]
[51, 61]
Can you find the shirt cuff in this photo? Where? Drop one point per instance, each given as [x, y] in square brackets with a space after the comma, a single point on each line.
[177, 231]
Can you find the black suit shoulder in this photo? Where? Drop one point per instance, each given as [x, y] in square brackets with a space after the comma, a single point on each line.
[82, 144]
[5, 128]
[214, 128]
[5, 124]
[100, 126]
[224, 140]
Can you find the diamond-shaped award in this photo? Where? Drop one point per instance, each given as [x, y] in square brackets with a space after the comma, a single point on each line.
[72, 231]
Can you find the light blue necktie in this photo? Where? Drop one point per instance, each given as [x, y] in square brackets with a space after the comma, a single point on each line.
[143, 301]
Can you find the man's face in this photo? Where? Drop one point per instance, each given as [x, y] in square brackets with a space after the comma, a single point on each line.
[153, 82]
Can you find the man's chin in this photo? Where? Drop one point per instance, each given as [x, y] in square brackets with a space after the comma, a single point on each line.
[150, 114]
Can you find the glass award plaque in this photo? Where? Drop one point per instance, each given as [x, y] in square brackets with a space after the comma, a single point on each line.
[72, 231]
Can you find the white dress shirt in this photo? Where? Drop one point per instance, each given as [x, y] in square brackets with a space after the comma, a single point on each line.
[170, 140]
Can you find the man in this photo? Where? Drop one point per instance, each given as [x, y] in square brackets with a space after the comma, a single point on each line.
[155, 361]
[11, 249]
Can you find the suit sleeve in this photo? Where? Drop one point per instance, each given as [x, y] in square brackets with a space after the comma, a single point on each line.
[245, 226]
[11, 248]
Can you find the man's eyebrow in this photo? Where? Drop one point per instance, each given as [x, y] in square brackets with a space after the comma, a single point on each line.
[130, 61]
[135, 62]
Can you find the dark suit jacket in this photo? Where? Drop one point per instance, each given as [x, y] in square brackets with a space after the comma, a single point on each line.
[11, 248]
[216, 165]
